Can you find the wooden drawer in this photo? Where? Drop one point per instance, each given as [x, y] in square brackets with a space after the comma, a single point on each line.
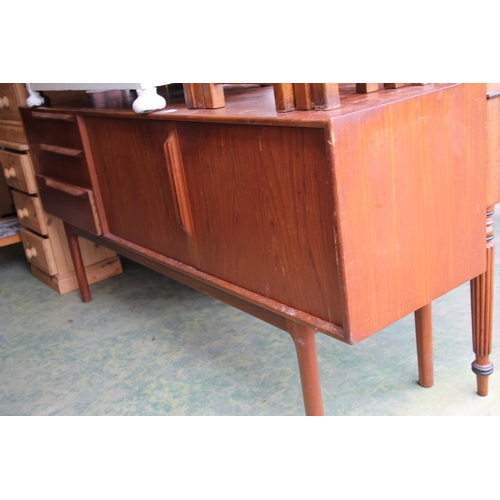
[38, 251]
[72, 204]
[12, 134]
[54, 129]
[18, 171]
[9, 101]
[30, 212]
[64, 164]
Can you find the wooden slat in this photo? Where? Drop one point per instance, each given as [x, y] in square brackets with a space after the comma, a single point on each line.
[303, 96]
[394, 85]
[10, 240]
[76, 153]
[213, 94]
[194, 96]
[53, 116]
[284, 97]
[15, 146]
[367, 88]
[204, 95]
[325, 96]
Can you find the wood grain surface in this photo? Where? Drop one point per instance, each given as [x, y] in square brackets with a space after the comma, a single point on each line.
[410, 182]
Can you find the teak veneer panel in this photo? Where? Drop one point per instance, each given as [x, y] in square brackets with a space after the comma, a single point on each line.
[70, 203]
[355, 216]
[137, 193]
[410, 183]
[263, 218]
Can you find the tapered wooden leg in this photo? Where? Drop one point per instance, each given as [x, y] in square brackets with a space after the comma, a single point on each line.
[305, 344]
[423, 326]
[482, 313]
[76, 255]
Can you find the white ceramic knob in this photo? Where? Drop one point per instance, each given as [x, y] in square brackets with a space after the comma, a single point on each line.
[148, 100]
[34, 99]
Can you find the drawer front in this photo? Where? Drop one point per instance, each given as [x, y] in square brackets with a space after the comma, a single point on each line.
[18, 171]
[30, 212]
[64, 164]
[72, 204]
[12, 134]
[9, 102]
[38, 251]
[54, 129]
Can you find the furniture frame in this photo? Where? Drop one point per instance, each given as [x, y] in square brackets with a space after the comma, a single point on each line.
[359, 214]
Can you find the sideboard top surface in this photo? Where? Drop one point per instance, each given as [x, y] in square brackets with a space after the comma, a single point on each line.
[253, 105]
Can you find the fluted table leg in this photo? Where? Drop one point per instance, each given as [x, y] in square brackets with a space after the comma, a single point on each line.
[482, 312]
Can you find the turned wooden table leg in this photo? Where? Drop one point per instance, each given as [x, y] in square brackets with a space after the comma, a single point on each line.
[305, 344]
[76, 255]
[482, 312]
[423, 326]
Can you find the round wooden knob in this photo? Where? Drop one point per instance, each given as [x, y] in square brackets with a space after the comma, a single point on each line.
[5, 101]
[12, 172]
[22, 212]
[6, 172]
[30, 253]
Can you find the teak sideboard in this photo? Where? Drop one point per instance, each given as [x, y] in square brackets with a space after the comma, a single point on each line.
[339, 222]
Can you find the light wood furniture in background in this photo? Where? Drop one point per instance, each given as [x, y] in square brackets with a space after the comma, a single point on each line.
[482, 286]
[42, 235]
[339, 221]
[7, 219]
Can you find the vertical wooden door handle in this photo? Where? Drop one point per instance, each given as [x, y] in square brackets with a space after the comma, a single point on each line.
[178, 182]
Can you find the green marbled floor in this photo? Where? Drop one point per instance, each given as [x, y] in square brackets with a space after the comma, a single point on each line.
[147, 345]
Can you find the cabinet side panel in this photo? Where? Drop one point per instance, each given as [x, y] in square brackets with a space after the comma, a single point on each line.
[410, 179]
[262, 207]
